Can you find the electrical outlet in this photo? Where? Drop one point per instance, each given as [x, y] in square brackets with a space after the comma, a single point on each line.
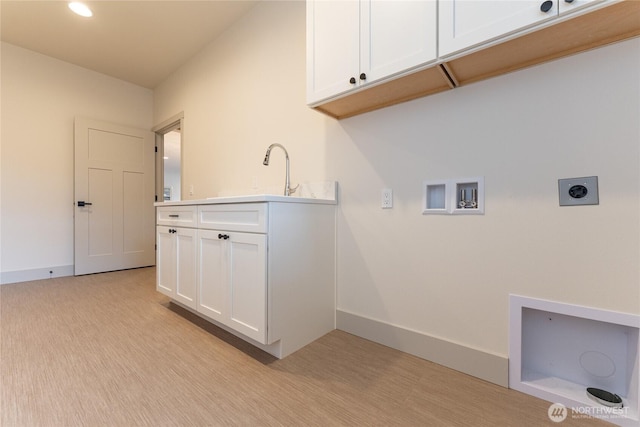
[578, 191]
[387, 198]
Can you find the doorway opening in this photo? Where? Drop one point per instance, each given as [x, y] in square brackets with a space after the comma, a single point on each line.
[171, 163]
[169, 142]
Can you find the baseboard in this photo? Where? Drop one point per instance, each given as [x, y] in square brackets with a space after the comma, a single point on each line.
[17, 276]
[480, 364]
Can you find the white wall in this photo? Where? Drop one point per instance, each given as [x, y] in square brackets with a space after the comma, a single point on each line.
[40, 98]
[450, 276]
[444, 276]
[242, 93]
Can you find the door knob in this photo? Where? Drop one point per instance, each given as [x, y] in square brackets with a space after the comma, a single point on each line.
[82, 203]
[352, 80]
[363, 76]
[546, 6]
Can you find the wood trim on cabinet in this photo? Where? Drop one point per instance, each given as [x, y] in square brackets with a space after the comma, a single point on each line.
[405, 88]
[614, 23]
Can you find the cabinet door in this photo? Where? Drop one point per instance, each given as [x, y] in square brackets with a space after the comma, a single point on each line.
[212, 275]
[396, 36]
[333, 47]
[466, 23]
[165, 261]
[185, 289]
[248, 284]
[567, 6]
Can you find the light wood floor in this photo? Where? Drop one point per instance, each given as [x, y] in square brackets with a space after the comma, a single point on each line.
[107, 350]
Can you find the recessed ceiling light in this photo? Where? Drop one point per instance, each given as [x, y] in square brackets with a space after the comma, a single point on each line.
[81, 9]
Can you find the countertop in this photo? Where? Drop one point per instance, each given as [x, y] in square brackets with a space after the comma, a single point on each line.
[253, 198]
[323, 192]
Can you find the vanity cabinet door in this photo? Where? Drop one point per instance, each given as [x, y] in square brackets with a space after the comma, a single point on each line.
[467, 23]
[247, 284]
[212, 275]
[176, 264]
[232, 280]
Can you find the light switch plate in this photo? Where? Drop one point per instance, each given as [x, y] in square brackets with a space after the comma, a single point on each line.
[578, 191]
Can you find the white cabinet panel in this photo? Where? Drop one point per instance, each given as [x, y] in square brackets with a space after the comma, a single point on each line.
[354, 43]
[165, 261]
[178, 216]
[232, 280]
[333, 45]
[186, 266]
[248, 284]
[567, 6]
[467, 23]
[212, 275]
[396, 36]
[249, 217]
[176, 264]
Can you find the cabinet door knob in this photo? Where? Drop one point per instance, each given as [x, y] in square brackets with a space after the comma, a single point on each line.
[363, 76]
[546, 6]
[352, 80]
[223, 236]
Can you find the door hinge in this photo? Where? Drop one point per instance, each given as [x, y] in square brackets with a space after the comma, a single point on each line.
[156, 148]
[156, 197]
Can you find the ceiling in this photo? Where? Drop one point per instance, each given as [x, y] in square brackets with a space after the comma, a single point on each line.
[141, 41]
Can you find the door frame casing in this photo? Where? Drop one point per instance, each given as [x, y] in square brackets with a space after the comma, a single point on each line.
[172, 123]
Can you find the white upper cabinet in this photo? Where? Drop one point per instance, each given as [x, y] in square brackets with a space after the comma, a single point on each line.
[467, 23]
[396, 36]
[352, 43]
[333, 47]
[567, 6]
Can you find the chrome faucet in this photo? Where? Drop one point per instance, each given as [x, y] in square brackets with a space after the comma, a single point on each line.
[287, 188]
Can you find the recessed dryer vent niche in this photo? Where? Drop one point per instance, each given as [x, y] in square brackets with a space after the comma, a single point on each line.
[558, 350]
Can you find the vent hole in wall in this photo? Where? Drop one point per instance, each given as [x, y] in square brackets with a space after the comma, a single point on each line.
[597, 364]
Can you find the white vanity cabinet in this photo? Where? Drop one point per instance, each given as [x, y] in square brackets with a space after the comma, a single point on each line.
[176, 253]
[355, 43]
[264, 269]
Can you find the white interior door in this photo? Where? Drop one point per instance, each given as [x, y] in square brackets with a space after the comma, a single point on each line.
[114, 180]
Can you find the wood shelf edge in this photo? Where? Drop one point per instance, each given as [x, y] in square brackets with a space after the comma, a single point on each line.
[411, 86]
